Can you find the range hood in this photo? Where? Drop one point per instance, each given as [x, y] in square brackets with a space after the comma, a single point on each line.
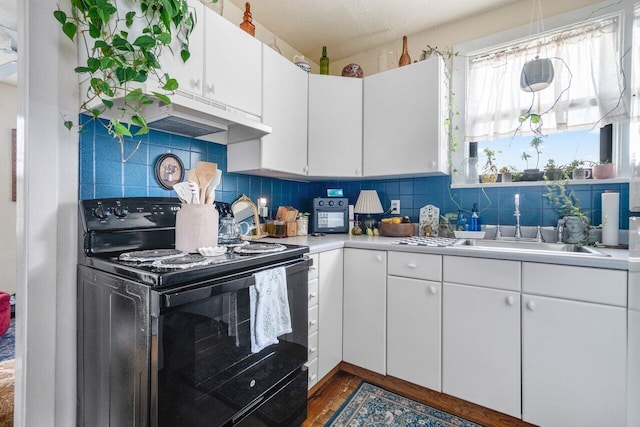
[199, 118]
[204, 119]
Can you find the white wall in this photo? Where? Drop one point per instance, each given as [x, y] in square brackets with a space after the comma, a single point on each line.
[448, 35]
[46, 220]
[8, 107]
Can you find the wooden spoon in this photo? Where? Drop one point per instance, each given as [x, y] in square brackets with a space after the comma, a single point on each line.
[205, 171]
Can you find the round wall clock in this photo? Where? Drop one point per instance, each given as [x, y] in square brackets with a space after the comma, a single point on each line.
[169, 170]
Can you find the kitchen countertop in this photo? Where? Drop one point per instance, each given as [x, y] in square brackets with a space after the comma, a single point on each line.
[618, 259]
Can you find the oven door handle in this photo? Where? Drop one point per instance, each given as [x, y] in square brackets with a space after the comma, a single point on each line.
[186, 296]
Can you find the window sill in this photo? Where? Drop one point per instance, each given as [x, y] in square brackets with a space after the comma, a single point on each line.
[543, 183]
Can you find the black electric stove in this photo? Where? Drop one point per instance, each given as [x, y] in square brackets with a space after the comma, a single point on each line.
[164, 338]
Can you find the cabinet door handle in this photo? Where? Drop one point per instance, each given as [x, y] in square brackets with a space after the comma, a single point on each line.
[211, 88]
[312, 377]
[195, 83]
[357, 171]
[312, 322]
[531, 305]
[432, 290]
[312, 295]
[509, 300]
[379, 258]
[412, 265]
[312, 268]
[312, 349]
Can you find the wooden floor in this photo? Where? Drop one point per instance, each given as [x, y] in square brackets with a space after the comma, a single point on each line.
[329, 396]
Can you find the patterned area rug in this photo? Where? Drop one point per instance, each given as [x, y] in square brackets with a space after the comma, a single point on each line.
[369, 405]
[7, 342]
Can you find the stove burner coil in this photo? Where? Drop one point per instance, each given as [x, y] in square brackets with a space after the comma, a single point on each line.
[151, 255]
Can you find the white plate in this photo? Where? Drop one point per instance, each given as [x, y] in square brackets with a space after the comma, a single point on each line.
[212, 250]
[469, 234]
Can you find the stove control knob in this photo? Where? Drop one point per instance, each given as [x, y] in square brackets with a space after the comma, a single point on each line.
[331, 202]
[340, 203]
[320, 202]
[100, 212]
[121, 211]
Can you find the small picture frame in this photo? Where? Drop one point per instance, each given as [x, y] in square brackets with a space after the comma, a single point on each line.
[169, 170]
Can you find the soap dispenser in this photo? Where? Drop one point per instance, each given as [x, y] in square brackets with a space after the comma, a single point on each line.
[474, 221]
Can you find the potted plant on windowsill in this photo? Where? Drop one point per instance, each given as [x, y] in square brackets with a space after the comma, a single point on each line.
[553, 172]
[533, 174]
[489, 170]
[603, 170]
[506, 174]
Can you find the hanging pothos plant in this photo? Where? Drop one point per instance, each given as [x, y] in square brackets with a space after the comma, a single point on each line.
[123, 45]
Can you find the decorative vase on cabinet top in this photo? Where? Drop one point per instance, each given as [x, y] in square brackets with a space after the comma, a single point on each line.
[302, 63]
[405, 59]
[247, 24]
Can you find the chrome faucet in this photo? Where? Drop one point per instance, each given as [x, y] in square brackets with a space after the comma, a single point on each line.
[560, 231]
[518, 233]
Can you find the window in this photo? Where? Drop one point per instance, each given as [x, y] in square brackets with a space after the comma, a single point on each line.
[588, 49]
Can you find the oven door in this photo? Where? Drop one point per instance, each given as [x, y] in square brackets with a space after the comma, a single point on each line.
[203, 372]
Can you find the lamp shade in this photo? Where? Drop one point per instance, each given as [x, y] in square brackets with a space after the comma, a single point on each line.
[368, 203]
[536, 75]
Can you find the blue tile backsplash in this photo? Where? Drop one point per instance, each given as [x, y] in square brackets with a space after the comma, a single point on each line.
[102, 174]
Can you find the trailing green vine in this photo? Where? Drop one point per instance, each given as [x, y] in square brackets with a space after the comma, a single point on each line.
[447, 56]
[123, 48]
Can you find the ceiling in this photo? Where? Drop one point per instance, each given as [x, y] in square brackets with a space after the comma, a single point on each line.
[348, 27]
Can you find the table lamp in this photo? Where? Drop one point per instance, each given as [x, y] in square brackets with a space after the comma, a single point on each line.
[368, 203]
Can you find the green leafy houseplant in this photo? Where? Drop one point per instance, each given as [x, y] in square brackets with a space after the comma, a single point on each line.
[489, 170]
[123, 42]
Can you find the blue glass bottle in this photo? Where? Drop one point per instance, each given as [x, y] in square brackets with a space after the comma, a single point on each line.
[474, 221]
[461, 222]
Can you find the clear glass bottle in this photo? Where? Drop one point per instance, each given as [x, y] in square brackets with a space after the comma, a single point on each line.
[472, 168]
[324, 62]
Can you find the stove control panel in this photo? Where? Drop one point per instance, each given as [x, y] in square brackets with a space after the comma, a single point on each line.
[128, 213]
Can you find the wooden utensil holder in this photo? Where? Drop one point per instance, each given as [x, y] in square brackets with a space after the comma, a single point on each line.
[196, 227]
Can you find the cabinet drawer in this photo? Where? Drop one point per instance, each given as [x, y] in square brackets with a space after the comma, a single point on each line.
[415, 266]
[312, 372]
[313, 319]
[313, 346]
[313, 292]
[578, 283]
[486, 272]
[313, 269]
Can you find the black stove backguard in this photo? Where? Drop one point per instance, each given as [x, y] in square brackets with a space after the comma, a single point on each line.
[171, 348]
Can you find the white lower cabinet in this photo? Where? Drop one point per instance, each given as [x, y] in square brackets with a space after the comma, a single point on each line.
[312, 345]
[365, 294]
[325, 314]
[481, 346]
[330, 311]
[414, 331]
[574, 352]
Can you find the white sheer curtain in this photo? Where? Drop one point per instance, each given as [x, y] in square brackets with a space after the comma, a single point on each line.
[585, 92]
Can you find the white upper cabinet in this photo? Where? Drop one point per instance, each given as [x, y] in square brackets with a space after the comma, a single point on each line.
[284, 108]
[404, 121]
[335, 126]
[225, 64]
